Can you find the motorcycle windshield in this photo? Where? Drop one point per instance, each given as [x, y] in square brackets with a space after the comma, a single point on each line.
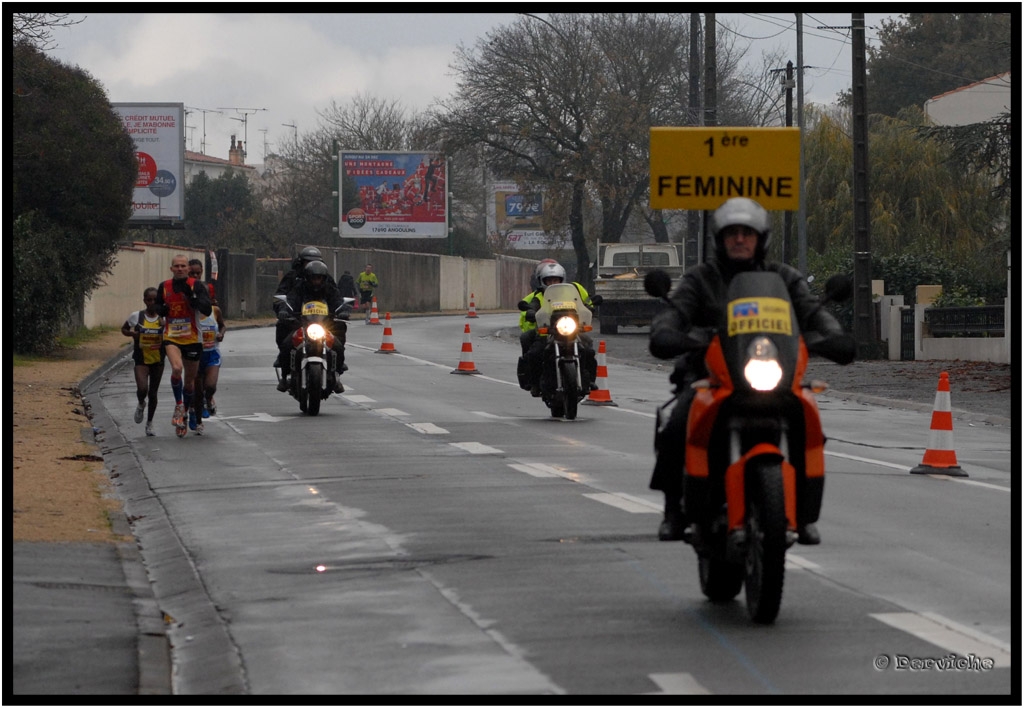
[562, 297]
[758, 305]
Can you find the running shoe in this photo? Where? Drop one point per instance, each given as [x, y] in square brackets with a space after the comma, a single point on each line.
[191, 419]
[178, 419]
[140, 410]
[199, 428]
[149, 429]
[211, 407]
[206, 412]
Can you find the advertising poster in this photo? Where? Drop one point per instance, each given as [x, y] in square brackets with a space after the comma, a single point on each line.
[515, 219]
[397, 195]
[158, 130]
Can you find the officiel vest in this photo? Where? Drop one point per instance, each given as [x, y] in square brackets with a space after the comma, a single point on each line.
[181, 325]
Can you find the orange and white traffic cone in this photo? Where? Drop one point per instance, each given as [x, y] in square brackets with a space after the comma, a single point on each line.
[472, 306]
[940, 457]
[466, 365]
[602, 396]
[386, 345]
[374, 317]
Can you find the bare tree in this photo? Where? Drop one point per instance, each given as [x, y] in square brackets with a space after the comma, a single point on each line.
[36, 28]
[369, 123]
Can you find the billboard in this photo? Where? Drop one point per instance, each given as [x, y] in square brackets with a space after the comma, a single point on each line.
[158, 130]
[392, 195]
[515, 219]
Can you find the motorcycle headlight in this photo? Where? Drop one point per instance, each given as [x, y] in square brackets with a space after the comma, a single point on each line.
[566, 326]
[315, 331]
[762, 371]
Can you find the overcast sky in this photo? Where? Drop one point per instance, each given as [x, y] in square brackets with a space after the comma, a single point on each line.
[279, 70]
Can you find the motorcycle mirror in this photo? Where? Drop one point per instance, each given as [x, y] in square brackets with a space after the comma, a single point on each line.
[839, 288]
[657, 283]
[596, 300]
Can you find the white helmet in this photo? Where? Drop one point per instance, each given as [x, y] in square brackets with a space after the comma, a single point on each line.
[550, 270]
[740, 211]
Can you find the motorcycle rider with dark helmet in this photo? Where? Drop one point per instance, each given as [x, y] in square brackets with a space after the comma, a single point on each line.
[315, 284]
[742, 231]
[288, 282]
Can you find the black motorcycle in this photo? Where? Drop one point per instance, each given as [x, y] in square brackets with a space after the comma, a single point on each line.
[314, 363]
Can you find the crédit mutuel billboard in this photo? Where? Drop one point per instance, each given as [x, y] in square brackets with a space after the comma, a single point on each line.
[158, 130]
[392, 195]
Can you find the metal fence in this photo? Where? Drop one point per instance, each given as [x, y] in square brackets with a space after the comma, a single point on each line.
[981, 321]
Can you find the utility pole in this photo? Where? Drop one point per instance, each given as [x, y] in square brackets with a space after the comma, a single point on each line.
[244, 120]
[694, 234]
[204, 111]
[787, 240]
[801, 214]
[863, 307]
[710, 97]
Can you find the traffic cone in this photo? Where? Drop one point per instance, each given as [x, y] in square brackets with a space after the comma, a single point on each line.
[472, 306]
[374, 317]
[602, 396]
[466, 365]
[386, 345]
[940, 457]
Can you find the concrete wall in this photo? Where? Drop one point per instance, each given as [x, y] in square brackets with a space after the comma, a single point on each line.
[410, 282]
[994, 349]
[137, 266]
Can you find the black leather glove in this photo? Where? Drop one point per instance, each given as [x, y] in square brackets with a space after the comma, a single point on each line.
[531, 315]
[667, 343]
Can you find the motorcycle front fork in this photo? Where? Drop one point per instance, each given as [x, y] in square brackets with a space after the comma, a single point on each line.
[559, 384]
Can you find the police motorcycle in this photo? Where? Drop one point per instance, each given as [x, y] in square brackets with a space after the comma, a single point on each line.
[755, 465]
[314, 366]
[562, 318]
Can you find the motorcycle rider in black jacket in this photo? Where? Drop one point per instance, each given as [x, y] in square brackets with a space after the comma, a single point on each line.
[742, 231]
[315, 284]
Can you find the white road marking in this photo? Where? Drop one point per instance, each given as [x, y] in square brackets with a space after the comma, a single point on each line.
[535, 469]
[938, 475]
[949, 635]
[795, 562]
[359, 399]
[392, 412]
[427, 428]
[475, 448]
[258, 416]
[677, 684]
[620, 501]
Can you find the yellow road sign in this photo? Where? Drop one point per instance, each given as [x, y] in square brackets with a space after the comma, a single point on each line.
[699, 168]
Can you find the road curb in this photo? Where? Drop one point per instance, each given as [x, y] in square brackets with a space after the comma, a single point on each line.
[172, 606]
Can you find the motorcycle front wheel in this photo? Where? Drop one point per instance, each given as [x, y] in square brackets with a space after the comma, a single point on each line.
[314, 388]
[766, 541]
[570, 389]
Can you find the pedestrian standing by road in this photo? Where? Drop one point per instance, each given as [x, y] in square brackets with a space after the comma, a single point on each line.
[347, 286]
[367, 282]
[183, 301]
[145, 327]
[212, 328]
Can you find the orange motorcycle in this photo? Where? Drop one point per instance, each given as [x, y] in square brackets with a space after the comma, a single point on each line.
[755, 465]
